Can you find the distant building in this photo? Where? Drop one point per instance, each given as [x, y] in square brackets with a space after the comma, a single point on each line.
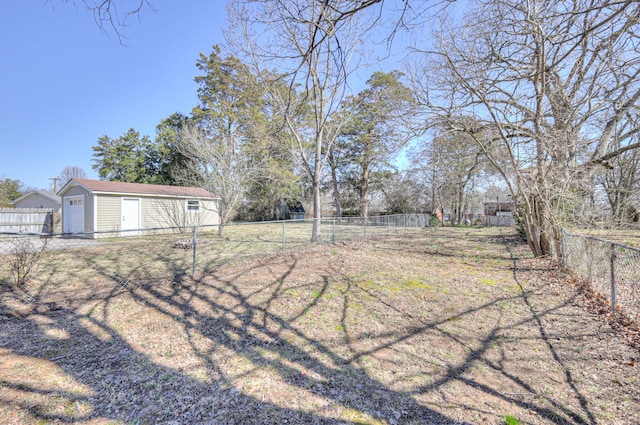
[43, 199]
[290, 210]
[499, 212]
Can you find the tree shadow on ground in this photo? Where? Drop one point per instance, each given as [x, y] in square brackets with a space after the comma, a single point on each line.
[235, 346]
[118, 381]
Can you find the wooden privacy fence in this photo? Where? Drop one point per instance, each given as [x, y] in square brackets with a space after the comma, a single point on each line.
[26, 220]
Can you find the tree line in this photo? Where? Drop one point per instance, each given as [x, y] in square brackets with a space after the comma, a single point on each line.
[235, 143]
[536, 99]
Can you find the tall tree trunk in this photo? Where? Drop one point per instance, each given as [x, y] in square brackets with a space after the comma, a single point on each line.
[543, 232]
[222, 223]
[317, 203]
[364, 192]
[315, 232]
[460, 206]
[334, 181]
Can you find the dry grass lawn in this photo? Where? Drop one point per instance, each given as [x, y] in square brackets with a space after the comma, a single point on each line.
[436, 326]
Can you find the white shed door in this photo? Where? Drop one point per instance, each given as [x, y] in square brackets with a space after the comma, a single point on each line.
[74, 215]
[130, 216]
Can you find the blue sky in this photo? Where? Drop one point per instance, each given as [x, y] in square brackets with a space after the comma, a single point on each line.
[64, 83]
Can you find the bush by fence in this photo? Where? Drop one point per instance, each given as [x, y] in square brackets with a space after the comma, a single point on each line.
[612, 269]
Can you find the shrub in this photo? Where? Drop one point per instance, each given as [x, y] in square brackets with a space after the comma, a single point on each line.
[24, 258]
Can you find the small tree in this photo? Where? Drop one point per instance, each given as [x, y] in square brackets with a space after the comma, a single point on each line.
[24, 258]
[9, 191]
[223, 166]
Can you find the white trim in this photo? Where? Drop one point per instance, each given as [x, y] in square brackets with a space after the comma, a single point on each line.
[95, 214]
[149, 195]
[73, 182]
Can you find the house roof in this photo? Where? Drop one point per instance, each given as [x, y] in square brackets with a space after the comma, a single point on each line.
[105, 186]
[44, 193]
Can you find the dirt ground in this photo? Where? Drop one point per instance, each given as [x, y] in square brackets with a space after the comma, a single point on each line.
[434, 326]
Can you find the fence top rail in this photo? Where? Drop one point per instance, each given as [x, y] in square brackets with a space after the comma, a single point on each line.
[201, 226]
[593, 238]
[26, 210]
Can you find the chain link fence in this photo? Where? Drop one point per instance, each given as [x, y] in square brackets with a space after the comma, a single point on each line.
[612, 269]
[35, 261]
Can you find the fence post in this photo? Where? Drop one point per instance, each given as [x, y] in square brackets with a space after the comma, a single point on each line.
[364, 227]
[284, 236]
[564, 255]
[612, 260]
[195, 251]
[333, 233]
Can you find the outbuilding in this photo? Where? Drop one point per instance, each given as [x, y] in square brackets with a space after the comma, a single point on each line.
[43, 199]
[100, 208]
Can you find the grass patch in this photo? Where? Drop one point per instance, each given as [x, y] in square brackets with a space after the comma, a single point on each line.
[488, 281]
[511, 420]
[384, 332]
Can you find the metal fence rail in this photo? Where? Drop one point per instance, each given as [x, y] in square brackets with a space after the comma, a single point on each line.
[612, 269]
[164, 253]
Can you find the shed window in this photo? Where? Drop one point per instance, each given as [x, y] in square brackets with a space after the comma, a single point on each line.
[193, 206]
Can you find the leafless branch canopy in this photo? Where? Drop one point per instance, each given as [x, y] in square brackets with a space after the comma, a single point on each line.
[554, 83]
[112, 15]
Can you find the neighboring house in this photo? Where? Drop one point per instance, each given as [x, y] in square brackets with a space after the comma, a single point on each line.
[90, 206]
[39, 199]
[470, 215]
[499, 213]
[290, 210]
[499, 208]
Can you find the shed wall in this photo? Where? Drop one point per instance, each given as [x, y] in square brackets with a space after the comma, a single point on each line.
[172, 212]
[108, 217]
[210, 212]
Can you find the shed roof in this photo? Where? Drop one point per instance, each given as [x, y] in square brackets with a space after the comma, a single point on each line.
[44, 193]
[105, 186]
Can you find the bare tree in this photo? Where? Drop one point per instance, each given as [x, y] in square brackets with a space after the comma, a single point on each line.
[311, 43]
[69, 172]
[175, 215]
[621, 183]
[451, 164]
[551, 88]
[222, 165]
[315, 47]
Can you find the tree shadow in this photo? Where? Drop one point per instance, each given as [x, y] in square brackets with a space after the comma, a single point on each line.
[127, 385]
[239, 323]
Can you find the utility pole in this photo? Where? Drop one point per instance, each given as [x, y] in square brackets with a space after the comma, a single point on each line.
[54, 185]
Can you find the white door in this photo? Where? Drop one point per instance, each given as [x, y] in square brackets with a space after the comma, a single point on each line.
[73, 214]
[130, 217]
